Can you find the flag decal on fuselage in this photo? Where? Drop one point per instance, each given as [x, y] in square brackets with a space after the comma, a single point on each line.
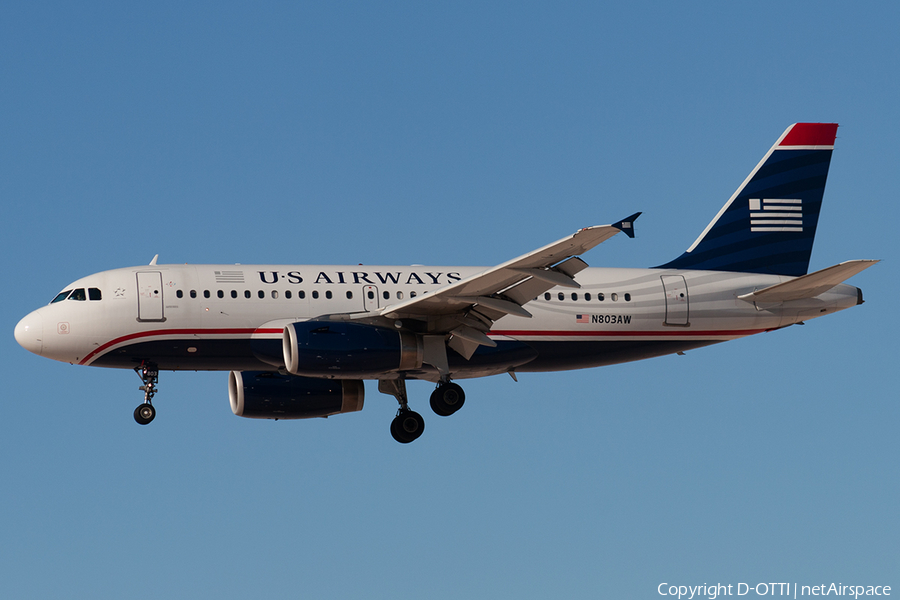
[229, 276]
[775, 214]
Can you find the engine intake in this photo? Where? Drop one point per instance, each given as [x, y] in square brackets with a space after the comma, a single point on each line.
[338, 349]
[267, 395]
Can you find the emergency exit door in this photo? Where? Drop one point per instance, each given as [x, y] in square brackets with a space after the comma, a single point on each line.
[370, 297]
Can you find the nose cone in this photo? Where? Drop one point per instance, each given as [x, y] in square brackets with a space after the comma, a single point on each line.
[30, 331]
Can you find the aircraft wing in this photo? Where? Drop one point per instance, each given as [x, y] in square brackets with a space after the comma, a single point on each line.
[473, 304]
[811, 285]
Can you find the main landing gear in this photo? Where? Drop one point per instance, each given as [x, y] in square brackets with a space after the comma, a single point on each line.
[447, 399]
[149, 375]
[408, 425]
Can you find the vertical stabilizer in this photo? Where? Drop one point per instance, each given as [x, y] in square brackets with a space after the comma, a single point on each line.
[769, 224]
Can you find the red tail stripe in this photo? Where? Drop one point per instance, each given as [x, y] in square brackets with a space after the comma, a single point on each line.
[811, 134]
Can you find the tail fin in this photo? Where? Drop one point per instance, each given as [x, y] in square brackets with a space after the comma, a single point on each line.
[769, 224]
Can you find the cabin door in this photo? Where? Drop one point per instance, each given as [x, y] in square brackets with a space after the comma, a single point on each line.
[677, 302]
[150, 297]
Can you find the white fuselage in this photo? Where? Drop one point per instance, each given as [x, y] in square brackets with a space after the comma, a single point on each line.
[231, 317]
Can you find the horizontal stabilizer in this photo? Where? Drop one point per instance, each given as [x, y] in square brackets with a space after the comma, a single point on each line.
[809, 286]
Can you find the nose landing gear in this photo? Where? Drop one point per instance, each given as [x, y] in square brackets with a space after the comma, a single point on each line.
[149, 375]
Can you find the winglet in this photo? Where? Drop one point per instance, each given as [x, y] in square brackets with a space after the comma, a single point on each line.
[155, 256]
[626, 225]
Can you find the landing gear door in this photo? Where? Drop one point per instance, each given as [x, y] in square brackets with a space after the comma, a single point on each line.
[150, 296]
[677, 302]
[370, 297]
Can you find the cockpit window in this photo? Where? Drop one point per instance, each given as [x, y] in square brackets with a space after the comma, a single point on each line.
[78, 295]
[94, 294]
[61, 296]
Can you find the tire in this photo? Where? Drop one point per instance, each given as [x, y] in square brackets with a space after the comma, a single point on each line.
[407, 426]
[144, 414]
[447, 399]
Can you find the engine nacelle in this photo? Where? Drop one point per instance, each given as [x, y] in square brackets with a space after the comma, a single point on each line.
[267, 395]
[339, 349]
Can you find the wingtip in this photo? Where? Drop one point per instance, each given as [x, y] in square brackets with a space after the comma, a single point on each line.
[626, 225]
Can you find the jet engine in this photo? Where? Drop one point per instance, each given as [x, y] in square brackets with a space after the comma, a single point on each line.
[337, 349]
[267, 395]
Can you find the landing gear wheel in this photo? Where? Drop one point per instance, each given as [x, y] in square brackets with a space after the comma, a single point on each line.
[144, 413]
[407, 426]
[447, 399]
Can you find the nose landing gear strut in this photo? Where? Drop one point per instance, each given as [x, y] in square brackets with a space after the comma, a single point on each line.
[149, 374]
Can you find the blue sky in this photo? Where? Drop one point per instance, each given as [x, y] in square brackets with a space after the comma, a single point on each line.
[399, 133]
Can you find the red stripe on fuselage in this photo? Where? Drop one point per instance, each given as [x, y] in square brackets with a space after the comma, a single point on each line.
[675, 332]
[161, 332]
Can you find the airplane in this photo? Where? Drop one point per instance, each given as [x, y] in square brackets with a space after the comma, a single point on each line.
[299, 340]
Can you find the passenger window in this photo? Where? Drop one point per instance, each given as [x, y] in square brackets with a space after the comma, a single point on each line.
[193, 293]
[547, 296]
[274, 294]
[561, 296]
[399, 295]
[627, 297]
[587, 296]
[261, 294]
[614, 296]
[61, 296]
[246, 293]
[179, 294]
[385, 295]
[234, 293]
[412, 294]
[301, 294]
[328, 294]
[371, 295]
[287, 294]
[315, 294]
[78, 295]
[206, 293]
[220, 294]
[601, 297]
[349, 295]
[574, 296]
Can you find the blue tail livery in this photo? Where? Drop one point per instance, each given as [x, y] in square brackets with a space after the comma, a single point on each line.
[769, 224]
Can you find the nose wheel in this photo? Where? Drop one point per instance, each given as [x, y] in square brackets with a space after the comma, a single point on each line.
[149, 375]
[144, 413]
